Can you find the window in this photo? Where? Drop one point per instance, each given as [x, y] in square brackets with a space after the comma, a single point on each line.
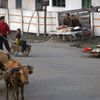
[58, 3]
[18, 4]
[86, 3]
[3, 3]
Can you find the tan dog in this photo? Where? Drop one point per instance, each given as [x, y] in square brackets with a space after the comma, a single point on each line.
[4, 56]
[12, 64]
[17, 80]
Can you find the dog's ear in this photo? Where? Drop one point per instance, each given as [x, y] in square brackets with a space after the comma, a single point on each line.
[30, 69]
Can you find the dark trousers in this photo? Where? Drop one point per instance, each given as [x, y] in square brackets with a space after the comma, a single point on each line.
[3, 40]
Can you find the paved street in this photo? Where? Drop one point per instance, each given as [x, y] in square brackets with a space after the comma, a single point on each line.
[61, 72]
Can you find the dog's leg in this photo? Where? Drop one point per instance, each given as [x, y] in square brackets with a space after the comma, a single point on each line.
[14, 92]
[22, 92]
[6, 90]
[17, 93]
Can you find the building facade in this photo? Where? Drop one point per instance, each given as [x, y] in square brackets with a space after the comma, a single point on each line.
[54, 5]
[22, 14]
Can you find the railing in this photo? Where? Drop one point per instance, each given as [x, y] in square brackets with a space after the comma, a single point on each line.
[83, 14]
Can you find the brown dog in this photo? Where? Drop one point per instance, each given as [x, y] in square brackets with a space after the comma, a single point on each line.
[17, 80]
[4, 57]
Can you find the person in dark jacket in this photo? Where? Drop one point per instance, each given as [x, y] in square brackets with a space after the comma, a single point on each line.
[75, 21]
[18, 36]
[4, 31]
[20, 42]
[67, 20]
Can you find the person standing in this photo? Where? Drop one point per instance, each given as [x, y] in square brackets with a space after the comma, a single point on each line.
[75, 21]
[67, 20]
[4, 31]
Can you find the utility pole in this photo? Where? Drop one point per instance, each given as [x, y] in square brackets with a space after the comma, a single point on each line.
[38, 24]
[39, 4]
[45, 21]
[38, 7]
[8, 17]
[22, 21]
[93, 25]
[45, 4]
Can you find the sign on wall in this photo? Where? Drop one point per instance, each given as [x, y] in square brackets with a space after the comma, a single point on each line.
[45, 2]
[38, 5]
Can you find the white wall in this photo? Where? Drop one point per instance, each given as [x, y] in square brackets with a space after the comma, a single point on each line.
[97, 23]
[28, 4]
[70, 4]
[15, 20]
[73, 4]
[96, 2]
[11, 4]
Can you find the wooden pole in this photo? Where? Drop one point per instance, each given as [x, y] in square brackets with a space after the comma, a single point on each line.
[22, 21]
[8, 17]
[92, 24]
[30, 21]
[38, 24]
[45, 21]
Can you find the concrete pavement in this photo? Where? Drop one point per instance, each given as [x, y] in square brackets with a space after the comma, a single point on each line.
[61, 72]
